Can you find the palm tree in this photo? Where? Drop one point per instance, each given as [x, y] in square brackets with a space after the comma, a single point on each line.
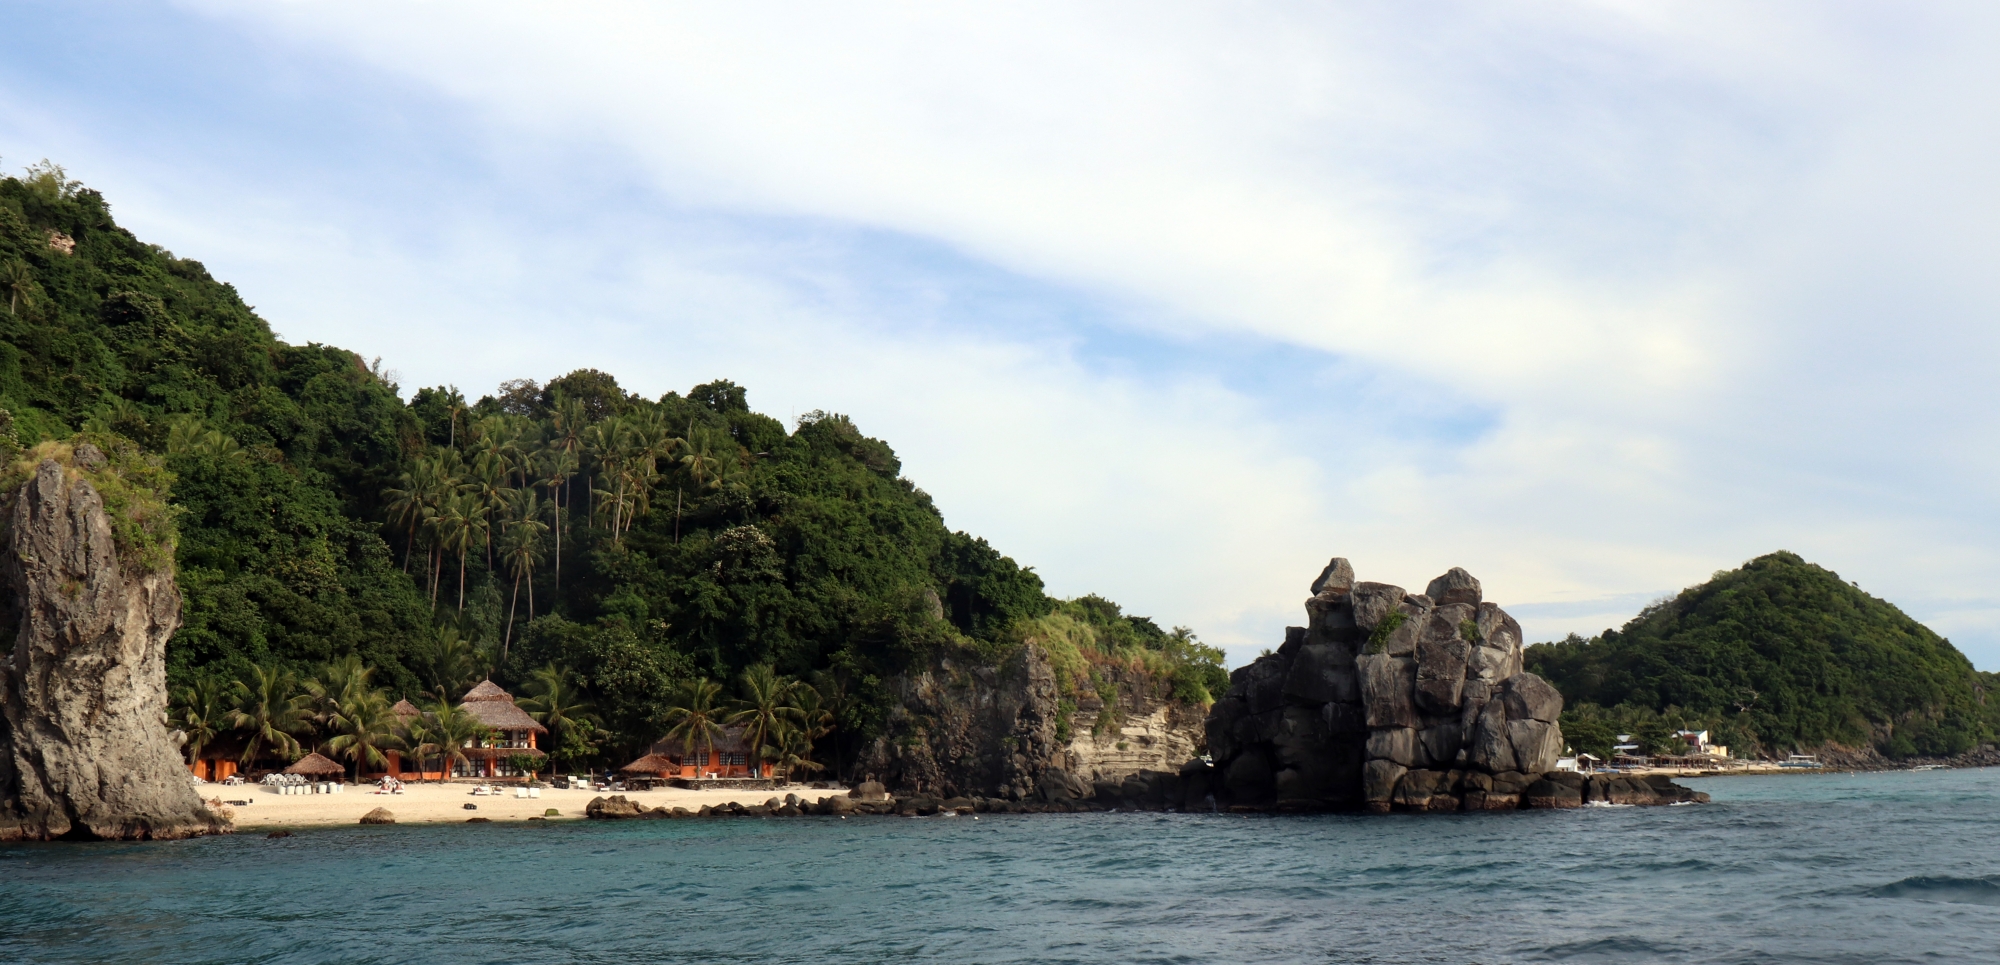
[567, 420]
[449, 663]
[694, 715]
[453, 730]
[521, 549]
[830, 689]
[793, 752]
[327, 696]
[455, 406]
[415, 501]
[459, 526]
[487, 485]
[201, 711]
[555, 701]
[814, 718]
[188, 435]
[765, 708]
[600, 441]
[364, 728]
[421, 741]
[268, 707]
[20, 280]
[556, 468]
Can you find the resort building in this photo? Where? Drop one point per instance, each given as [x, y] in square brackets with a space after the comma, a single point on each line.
[398, 767]
[730, 757]
[219, 758]
[1699, 744]
[514, 733]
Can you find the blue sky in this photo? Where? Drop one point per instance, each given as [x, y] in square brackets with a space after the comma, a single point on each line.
[1593, 299]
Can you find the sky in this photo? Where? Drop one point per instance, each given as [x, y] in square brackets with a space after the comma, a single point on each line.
[1172, 302]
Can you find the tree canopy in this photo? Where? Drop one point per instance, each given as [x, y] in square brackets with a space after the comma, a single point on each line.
[634, 544]
[1777, 655]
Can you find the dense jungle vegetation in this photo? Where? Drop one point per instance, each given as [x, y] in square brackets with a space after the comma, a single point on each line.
[567, 537]
[1777, 656]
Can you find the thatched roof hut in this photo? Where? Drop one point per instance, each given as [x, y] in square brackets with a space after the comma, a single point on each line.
[490, 705]
[404, 710]
[654, 764]
[730, 741]
[316, 765]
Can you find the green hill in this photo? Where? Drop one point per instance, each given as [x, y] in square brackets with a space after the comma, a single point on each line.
[632, 544]
[1777, 655]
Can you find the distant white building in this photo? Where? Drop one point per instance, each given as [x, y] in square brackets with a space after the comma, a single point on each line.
[1698, 743]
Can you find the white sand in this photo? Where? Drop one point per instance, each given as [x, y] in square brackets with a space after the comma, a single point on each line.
[445, 803]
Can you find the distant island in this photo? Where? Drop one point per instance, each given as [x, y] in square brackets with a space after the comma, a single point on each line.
[1778, 656]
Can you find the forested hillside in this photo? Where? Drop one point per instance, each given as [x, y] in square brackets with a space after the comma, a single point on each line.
[567, 536]
[1775, 656]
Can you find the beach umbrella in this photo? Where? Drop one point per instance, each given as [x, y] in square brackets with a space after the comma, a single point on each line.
[315, 765]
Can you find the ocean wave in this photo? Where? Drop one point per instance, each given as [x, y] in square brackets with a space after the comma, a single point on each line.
[1600, 949]
[1949, 890]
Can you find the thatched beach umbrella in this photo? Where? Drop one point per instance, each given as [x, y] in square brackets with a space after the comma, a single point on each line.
[654, 765]
[315, 765]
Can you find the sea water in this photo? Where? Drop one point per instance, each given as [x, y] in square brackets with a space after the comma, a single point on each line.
[1862, 868]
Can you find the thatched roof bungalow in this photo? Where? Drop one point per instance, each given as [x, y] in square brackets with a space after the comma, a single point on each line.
[730, 757]
[316, 765]
[514, 731]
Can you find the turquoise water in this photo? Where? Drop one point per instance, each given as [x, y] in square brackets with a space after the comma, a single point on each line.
[1819, 868]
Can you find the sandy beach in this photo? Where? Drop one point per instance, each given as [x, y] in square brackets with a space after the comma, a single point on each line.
[445, 803]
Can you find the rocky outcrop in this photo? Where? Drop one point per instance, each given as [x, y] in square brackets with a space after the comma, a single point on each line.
[1387, 700]
[1142, 729]
[84, 746]
[961, 727]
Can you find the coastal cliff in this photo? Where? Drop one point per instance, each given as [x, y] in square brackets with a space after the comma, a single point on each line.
[1141, 728]
[84, 746]
[963, 726]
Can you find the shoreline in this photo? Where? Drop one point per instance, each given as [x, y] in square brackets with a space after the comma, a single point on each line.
[435, 804]
[268, 810]
[1768, 770]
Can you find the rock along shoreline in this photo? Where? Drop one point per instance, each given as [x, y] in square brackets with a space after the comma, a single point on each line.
[1148, 792]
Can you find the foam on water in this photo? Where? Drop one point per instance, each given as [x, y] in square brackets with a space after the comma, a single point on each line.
[1798, 868]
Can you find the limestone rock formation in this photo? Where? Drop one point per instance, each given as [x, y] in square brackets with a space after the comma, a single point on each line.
[1385, 700]
[1140, 730]
[962, 728]
[84, 747]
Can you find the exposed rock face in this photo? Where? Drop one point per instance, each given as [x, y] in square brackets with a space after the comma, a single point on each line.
[84, 746]
[962, 729]
[1387, 700]
[1142, 730]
